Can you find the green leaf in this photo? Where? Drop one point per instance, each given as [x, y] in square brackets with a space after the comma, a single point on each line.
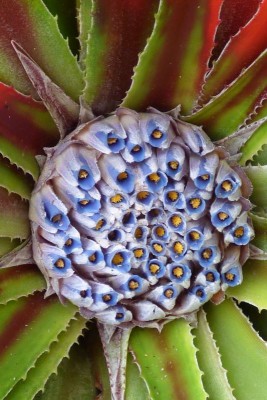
[66, 18]
[214, 378]
[28, 326]
[16, 282]
[119, 31]
[260, 228]
[47, 364]
[243, 353]
[253, 288]
[84, 22]
[30, 24]
[172, 67]
[25, 128]
[14, 181]
[240, 52]
[226, 112]
[6, 245]
[168, 361]
[14, 220]
[258, 177]
[74, 379]
[254, 144]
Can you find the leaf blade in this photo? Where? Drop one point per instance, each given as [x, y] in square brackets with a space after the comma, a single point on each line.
[170, 72]
[31, 24]
[118, 33]
[47, 363]
[16, 282]
[226, 112]
[243, 353]
[161, 361]
[30, 326]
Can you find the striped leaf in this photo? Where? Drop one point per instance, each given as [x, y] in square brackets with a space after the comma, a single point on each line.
[25, 128]
[30, 24]
[14, 221]
[28, 326]
[119, 30]
[239, 53]
[168, 361]
[243, 353]
[171, 69]
[20, 281]
[47, 364]
[215, 377]
[226, 112]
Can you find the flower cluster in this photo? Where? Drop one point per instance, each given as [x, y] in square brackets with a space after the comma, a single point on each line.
[139, 217]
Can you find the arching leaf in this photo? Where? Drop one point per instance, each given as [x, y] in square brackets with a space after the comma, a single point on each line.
[30, 24]
[119, 31]
[171, 68]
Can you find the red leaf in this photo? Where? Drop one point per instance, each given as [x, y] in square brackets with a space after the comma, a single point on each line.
[119, 32]
[239, 53]
[234, 15]
[172, 67]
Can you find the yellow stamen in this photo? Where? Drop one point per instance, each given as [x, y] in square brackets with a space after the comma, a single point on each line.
[168, 293]
[174, 165]
[138, 253]
[57, 218]
[229, 276]
[60, 263]
[117, 259]
[178, 272]
[138, 233]
[194, 235]
[160, 231]
[84, 202]
[142, 195]
[178, 247]
[227, 185]
[222, 216]
[206, 254]
[154, 268]
[117, 198]
[157, 247]
[195, 203]
[154, 177]
[112, 141]
[205, 177]
[92, 257]
[83, 174]
[173, 196]
[119, 316]
[68, 242]
[210, 277]
[239, 232]
[99, 224]
[106, 298]
[176, 220]
[133, 284]
[136, 148]
[157, 134]
[122, 176]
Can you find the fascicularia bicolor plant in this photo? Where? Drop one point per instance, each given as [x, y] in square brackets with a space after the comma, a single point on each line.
[138, 217]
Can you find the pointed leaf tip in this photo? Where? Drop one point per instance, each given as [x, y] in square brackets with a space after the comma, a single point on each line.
[62, 108]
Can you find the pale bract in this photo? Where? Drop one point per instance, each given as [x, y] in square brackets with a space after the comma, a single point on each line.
[139, 218]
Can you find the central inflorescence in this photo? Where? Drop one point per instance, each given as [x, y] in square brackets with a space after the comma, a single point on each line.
[139, 217]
